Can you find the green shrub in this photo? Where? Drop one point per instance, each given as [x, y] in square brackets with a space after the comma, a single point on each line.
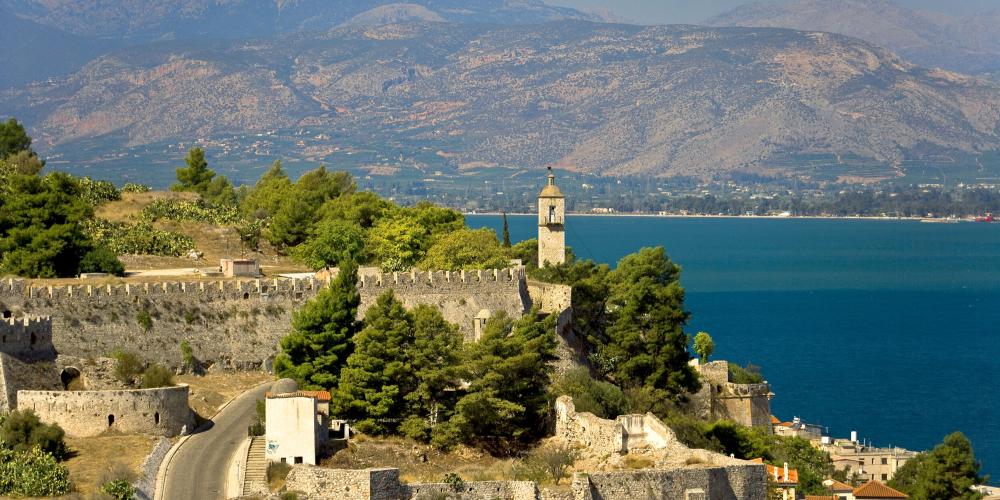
[603, 399]
[31, 473]
[416, 428]
[119, 489]
[145, 320]
[157, 376]
[750, 374]
[140, 238]
[97, 192]
[101, 259]
[277, 471]
[555, 459]
[454, 480]
[128, 366]
[21, 431]
[132, 187]
[197, 211]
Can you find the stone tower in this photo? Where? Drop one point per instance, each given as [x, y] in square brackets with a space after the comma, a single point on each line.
[551, 224]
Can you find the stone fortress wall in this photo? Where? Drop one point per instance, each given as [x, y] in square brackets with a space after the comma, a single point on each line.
[27, 338]
[731, 482]
[163, 411]
[235, 324]
[384, 484]
[745, 404]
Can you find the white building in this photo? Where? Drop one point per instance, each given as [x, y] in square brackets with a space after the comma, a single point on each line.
[296, 425]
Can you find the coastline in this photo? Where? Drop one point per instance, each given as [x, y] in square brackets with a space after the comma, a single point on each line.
[777, 217]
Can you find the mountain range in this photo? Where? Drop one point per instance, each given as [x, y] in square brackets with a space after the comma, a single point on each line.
[964, 43]
[530, 85]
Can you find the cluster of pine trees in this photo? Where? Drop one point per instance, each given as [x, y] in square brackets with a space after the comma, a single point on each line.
[407, 371]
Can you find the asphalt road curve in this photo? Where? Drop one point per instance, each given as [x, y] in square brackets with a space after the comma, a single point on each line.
[199, 467]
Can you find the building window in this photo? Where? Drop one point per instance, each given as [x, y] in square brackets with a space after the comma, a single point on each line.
[885, 461]
[298, 460]
[552, 214]
[156, 418]
[885, 477]
[111, 420]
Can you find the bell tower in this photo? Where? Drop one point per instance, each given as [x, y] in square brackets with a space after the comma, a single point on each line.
[551, 224]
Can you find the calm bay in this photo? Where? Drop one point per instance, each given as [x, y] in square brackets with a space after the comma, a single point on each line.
[889, 328]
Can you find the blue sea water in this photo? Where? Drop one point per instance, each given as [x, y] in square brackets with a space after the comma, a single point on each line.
[889, 328]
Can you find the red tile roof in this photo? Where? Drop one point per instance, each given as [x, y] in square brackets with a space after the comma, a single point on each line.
[839, 487]
[875, 489]
[322, 396]
[774, 420]
[793, 475]
[820, 497]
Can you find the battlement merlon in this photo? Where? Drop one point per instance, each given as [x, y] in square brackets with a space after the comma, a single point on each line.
[26, 337]
[234, 289]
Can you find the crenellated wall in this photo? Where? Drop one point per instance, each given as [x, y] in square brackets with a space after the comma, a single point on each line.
[163, 411]
[234, 323]
[27, 338]
[745, 404]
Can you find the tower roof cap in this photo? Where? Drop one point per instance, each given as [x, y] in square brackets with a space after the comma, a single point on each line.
[551, 190]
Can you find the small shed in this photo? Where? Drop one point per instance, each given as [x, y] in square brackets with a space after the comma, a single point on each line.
[243, 268]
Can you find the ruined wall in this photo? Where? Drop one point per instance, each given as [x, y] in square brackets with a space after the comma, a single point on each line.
[234, 324]
[733, 482]
[163, 411]
[383, 484]
[625, 433]
[549, 297]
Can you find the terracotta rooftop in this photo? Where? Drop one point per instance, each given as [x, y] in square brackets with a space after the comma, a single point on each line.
[774, 420]
[875, 489]
[323, 396]
[839, 487]
[793, 475]
[820, 497]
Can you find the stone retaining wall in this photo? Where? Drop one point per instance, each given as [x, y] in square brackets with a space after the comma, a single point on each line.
[734, 482]
[163, 411]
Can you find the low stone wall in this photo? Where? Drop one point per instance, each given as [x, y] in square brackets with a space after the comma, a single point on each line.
[477, 490]
[163, 411]
[145, 485]
[383, 484]
[734, 482]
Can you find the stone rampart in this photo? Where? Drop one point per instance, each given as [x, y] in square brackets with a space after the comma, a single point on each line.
[745, 404]
[163, 411]
[732, 482]
[473, 490]
[233, 323]
[625, 433]
[550, 297]
[27, 338]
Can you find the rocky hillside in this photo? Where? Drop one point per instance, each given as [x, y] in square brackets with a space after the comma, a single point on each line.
[611, 99]
[965, 44]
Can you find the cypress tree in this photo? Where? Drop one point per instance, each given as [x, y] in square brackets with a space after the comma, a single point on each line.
[506, 231]
[316, 350]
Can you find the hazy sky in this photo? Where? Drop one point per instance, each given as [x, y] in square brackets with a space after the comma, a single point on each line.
[693, 11]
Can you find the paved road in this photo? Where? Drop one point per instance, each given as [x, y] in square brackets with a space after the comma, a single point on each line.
[199, 467]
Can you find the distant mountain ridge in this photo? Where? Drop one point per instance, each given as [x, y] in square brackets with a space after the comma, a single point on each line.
[180, 19]
[967, 44]
[608, 99]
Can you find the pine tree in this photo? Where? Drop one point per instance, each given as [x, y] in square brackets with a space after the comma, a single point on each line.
[506, 231]
[267, 196]
[196, 176]
[507, 401]
[316, 350]
[646, 343]
[435, 355]
[947, 471]
[378, 373]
